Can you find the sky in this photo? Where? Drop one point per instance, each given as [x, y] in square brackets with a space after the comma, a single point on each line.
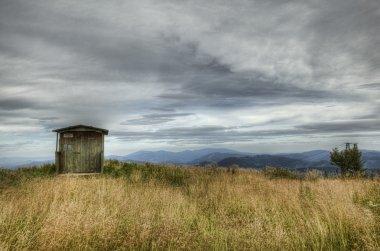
[260, 76]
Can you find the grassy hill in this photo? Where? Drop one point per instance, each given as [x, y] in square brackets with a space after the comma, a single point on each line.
[144, 206]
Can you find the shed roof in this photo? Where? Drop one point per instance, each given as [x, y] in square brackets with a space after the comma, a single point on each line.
[82, 128]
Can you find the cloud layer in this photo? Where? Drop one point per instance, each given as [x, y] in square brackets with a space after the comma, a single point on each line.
[186, 74]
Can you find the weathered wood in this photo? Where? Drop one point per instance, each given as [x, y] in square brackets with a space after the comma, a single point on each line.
[57, 161]
[82, 150]
[56, 143]
[102, 156]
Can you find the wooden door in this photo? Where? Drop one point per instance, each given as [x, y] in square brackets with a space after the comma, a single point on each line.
[81, 152]
[90, 152]
[70, 152]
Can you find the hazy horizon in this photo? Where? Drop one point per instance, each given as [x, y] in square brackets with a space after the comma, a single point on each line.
[51, 156]
[256, 76]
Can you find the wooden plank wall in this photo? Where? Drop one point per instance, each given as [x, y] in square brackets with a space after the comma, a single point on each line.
[81, 152]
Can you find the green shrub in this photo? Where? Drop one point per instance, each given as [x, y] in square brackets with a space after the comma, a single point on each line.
[117, 168]
[280, 173]
[7, 178]
[171, 175]
[15, 177]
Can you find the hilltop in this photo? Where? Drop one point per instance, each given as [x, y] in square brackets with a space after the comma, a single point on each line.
[144, 206]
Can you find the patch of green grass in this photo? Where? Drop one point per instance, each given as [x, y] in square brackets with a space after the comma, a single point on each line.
[280, 173]
[145, 172]
[370, 199]
[14, 177]
[137, 206]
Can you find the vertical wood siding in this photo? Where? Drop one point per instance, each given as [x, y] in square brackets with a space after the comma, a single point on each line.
[82, 152]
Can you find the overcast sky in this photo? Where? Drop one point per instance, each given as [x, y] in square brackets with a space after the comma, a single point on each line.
[256, 75]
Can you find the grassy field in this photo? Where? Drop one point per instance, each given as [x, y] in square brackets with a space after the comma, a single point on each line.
[140, 207]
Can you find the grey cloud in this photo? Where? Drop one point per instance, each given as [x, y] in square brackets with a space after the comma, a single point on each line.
[240, 86]
[156, 118]
[218, 134]
[70, 62]
[364, 125]
[347, 31]
[210, 134]
[16, 104]
[372, 86]
[202, 134]
[14, 146]
[163, 109]
[234, 90]
[367, 116]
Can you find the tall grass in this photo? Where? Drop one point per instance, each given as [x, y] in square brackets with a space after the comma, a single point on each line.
[21, 175]
[144, 206]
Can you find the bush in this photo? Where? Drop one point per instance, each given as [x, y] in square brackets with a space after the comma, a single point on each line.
[280, 173]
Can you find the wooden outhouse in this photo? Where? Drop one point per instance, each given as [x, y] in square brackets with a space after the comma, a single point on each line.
[80, 149]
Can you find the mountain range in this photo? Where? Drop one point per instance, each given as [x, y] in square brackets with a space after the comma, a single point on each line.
[183, 157]
[317, 159]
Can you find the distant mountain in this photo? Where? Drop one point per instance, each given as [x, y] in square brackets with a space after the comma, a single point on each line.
[17, 162]
[371, 159]
[261, 161]
[316, 155]
[318, 159]
[215, 157]
[182, 157]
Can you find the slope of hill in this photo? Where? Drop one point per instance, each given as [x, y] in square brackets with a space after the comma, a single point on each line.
[172, 208]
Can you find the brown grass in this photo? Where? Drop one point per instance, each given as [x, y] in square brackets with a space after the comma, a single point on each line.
[210, 209]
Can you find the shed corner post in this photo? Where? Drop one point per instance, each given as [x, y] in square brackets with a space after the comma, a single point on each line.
[102, 156]
[57, 155]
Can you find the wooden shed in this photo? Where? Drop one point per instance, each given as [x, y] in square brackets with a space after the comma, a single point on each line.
[80, 149]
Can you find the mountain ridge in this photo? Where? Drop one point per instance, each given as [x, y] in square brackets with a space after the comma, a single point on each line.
[319, 159]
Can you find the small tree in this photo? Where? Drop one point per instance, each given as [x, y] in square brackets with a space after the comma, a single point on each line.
[348, 160]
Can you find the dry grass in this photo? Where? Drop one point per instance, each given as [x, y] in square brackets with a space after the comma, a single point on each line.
[208, 209]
